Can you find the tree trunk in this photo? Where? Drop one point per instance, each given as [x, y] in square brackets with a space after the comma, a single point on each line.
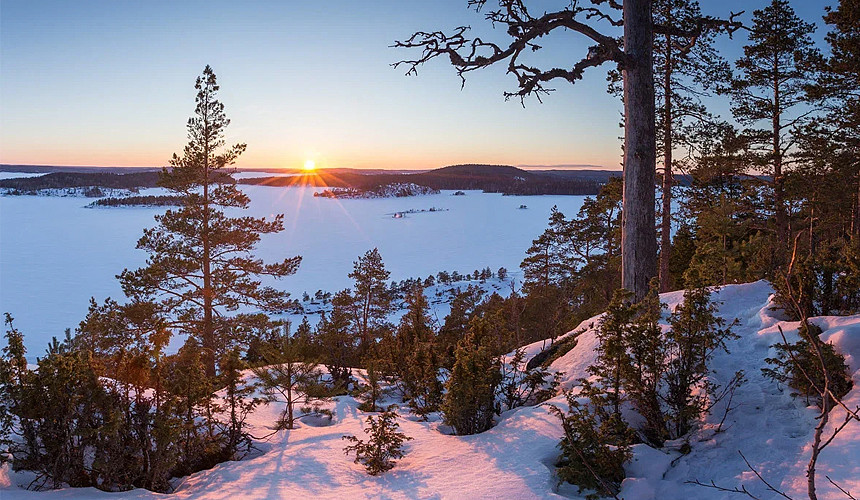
[666, 222]
[638, 237]
[778, 195]
[208, 326]
[856, 228]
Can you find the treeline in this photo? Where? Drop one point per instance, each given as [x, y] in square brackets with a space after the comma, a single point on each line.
[396, 190]
[489, 178]
[63, 180]
[146, 201]
[399, 289]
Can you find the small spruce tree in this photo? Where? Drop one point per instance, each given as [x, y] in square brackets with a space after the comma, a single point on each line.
[469, 403]
[593, 451]
[289, 373]
[383, 448]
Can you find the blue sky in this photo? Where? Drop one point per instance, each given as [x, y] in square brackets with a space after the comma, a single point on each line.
[111, 83]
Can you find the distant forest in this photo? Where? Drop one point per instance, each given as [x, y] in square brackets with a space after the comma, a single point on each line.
[62, 180]
[139, 201]
[489, 178]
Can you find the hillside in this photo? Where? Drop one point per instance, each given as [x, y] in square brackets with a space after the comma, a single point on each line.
[489, 178]
[63, 180]
[515, 459]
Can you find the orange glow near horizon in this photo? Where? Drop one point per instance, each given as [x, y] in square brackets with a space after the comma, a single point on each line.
[21, 154]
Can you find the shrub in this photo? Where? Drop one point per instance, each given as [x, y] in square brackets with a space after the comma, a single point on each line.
[381, 452]
[469, 403]
[595, 446]
[792, 361]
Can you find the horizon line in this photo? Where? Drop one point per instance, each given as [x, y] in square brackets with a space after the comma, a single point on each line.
[561, 166]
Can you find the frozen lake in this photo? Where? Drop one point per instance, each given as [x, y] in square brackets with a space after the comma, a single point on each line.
[55, 253]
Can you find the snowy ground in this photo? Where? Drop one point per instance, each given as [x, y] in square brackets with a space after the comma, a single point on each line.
[56, 253]
[514, 459]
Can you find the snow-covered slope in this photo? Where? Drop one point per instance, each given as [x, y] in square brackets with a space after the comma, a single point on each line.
[515, 458]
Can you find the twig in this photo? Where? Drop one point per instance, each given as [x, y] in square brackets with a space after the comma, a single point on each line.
[743, 489]
[843, 490]
[769, 486]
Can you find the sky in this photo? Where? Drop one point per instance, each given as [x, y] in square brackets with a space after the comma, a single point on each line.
[111, 83]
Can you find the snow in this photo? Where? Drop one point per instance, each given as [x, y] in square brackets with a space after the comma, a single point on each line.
[515, 458]
[18, 175]
[56, 253]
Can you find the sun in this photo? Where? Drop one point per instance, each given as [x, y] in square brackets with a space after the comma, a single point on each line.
[310, 165]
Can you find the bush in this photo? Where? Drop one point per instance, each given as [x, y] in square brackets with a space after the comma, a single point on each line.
[589, 459]
[523, 387]
[469, 403]
[792, 361]
[381, 452]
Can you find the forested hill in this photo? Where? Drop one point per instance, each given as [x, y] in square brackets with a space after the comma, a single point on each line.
[62, 180]
[489, 178]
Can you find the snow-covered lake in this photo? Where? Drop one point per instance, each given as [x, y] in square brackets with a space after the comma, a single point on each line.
[55, 254]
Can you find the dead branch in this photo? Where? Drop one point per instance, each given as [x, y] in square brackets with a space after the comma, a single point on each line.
[469, 54]
[840, 488]
[770, 487]
[742, 489]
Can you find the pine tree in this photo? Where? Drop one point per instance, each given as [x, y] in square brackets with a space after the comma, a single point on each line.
[201, 268]
[383, 448]
[773, 75]
[633, 52]
[548, 270]
[288, 372]
[721, 210]
[549, 261]
[469, 402]
[841, 87]
[337, 343]
[596, 240]
[682, 72]
[463, 306]
[238, 402]
[13, 371]
[372, 299]
[697, 333]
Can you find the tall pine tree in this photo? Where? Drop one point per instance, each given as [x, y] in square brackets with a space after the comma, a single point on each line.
[201, 269]
[768, 93]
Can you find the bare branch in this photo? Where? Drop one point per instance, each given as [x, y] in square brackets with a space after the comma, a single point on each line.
[847, 493]
[470, 54]
[743, 489]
